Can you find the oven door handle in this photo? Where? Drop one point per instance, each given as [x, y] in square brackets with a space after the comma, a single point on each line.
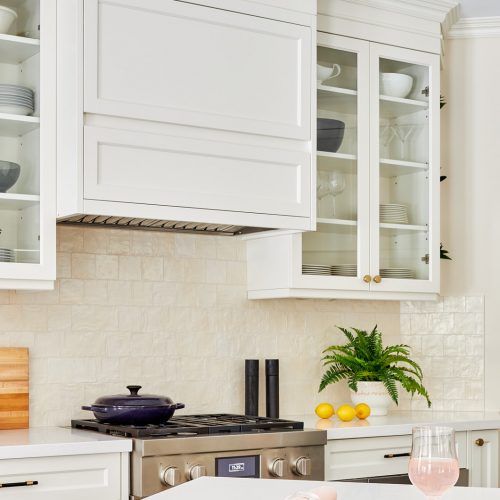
[396, 455]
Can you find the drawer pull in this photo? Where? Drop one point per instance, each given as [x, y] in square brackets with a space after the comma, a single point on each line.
[396, 455]
[14, 485]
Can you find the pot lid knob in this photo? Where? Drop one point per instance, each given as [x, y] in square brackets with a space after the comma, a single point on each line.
[134, 389]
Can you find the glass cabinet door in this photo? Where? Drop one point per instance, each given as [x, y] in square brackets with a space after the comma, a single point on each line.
[338, 249]
[404, 161]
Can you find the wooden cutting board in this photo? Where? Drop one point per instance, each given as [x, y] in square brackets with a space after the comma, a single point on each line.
[14, 388]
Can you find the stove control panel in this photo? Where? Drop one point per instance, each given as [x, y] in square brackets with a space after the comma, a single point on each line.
[162, 472]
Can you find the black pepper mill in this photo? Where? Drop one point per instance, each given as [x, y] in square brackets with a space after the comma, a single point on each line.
[272, 388]
[252, 387]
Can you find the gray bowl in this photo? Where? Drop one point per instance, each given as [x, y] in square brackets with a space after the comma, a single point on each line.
[9, 173]
[330, 134]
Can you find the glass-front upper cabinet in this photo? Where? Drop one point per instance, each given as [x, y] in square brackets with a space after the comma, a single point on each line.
[27, 146]
[404, 161]
[377, 182]
[339, 247]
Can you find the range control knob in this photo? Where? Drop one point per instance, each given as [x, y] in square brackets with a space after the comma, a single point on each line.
[197, 471]
[302, 466]
[170, 476]
[277, 467]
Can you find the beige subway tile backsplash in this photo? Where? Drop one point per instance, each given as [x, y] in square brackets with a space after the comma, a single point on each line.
[169, 312]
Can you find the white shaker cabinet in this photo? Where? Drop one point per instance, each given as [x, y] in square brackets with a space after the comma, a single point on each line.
[187, 112]
[361, 458]
[76, 477]
[27, 208]
[483, 458]
[377, 231]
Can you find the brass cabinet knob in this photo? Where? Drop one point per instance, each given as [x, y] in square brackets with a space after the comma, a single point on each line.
[377, 279]
[367, 278]
[480, 442]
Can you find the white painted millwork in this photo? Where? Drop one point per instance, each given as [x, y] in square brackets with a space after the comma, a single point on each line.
[27, 211]
[381, 166]
[77, 477]
[483, 458]
[475, 27]
[217, 130]
[67, 463]
[358, 458]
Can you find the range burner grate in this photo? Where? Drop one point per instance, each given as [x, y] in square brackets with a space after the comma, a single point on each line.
[190, 425]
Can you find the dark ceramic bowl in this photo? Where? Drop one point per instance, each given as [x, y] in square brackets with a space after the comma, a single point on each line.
[330, 134]
[9, 173]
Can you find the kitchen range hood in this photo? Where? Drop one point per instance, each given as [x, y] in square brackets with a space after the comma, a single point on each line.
[159, 225]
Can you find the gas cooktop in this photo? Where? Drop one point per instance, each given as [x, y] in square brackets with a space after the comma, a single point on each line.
[193, 425]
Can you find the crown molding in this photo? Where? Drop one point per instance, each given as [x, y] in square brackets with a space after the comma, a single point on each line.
[433, 10]
[475, 27]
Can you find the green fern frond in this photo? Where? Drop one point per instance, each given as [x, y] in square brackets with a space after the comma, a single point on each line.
[364, 358]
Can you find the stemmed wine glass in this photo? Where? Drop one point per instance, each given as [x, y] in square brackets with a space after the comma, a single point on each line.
[330, 183]
[433, 465]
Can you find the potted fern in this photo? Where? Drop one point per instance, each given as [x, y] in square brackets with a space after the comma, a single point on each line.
[372, 371]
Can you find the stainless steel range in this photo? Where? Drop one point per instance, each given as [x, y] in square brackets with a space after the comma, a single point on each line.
[190, 446]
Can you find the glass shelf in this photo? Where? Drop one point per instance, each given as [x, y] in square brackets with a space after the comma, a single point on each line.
[392, 107]
[395, 168]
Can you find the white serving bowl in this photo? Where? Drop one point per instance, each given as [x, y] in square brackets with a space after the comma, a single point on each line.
[7, 17]
[395, 84]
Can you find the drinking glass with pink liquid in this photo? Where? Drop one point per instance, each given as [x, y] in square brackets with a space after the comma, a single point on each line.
[433, 462]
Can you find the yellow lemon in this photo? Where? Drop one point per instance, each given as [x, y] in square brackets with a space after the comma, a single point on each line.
[346, 413]
[324, 410]
[362, 411]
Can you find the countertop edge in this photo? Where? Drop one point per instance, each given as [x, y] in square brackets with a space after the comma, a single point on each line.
[406, 429]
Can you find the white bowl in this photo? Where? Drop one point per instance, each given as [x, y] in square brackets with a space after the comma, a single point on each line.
[7, 17]
[395, 84]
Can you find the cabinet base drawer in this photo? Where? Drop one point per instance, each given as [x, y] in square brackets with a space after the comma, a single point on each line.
[62, 478]
[358, 458]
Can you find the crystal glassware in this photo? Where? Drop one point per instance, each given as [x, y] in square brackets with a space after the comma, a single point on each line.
[337, 183]
[433, 465]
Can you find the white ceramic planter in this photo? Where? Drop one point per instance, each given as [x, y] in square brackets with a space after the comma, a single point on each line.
[373, 394]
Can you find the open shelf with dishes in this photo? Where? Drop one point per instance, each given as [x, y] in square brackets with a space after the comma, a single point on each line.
[377, 182]
[26, 145]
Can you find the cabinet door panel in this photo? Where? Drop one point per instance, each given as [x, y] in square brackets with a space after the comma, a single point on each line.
[404, 162]
[483, 459]
[336, 255]
[162, 170]
[176, 62]
[60, 478]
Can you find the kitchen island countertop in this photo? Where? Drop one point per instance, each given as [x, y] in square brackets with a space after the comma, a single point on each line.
[400, 423]
[210, 488]
[57, 441]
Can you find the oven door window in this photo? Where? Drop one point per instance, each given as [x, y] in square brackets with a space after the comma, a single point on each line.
[238, 466]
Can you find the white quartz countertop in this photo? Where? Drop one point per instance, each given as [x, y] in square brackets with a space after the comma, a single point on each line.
[57, 441]
[400, 423]
[216, 488]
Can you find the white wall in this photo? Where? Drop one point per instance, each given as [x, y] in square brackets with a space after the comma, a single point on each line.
[471, 194]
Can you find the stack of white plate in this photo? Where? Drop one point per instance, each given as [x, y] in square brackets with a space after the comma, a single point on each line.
[322, 270]
[7, 255]
[393, 213]
[16, 100]
[397, 273]
[345, 270]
